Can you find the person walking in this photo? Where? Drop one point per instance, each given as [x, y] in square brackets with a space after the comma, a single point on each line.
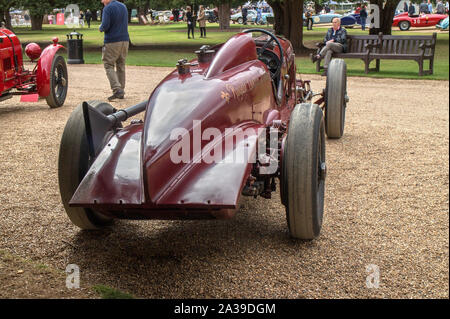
[81, 19]
[335, 42]
[363, 17]
[244, 14]
[115, 48]
[202, 21]
[258, 16]
[308, 16]
[88, 16]
[190, 22]
[411, 10]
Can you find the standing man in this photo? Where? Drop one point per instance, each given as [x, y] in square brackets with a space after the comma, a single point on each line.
[363, 16]
[88, 17]
[115, 48]
[244, 14]
[335, 42]
[423, 8]
[430, 7]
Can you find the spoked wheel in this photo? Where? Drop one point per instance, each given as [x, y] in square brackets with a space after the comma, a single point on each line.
[336, 98]
[404, 25]
[303, 171]
[58, 82]
[73, 165]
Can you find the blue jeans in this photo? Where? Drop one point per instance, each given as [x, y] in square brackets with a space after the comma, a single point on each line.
[363, 23]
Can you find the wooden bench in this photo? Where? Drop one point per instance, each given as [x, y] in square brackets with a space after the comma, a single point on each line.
[392, 47]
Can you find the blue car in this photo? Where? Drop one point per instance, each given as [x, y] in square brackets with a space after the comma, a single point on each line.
[443, 25]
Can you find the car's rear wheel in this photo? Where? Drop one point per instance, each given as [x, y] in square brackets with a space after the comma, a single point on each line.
[240, 21]
[404, 25]
[336, 99]
[304, 171]
[58, 82]
[73, 164]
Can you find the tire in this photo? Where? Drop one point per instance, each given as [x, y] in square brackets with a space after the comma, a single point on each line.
[240, 21]
[58, 82]
[73, 164]
[303, 171]
[335, 101]
[404, 25]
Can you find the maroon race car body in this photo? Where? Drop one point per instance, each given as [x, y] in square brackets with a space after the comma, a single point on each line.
[245, 85]
[404, 21]
[47, 80]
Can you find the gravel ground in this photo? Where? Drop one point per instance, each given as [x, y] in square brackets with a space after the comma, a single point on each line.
[386, 204]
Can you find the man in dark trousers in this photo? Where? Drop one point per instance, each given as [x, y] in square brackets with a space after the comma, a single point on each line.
[115, 48]
[244, 14]
[88, 17]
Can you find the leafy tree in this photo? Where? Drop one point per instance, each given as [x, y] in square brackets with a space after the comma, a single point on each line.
[5, 5]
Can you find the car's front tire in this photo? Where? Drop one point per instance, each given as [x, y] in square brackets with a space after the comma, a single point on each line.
[73, 164]
[303, 171]
[404, 25]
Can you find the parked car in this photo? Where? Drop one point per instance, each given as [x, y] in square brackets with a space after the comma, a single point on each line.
[251, 17]
[404, 21]
[48, 79]
[237, 17]
[324, 18]
[251, 122]
[211, 16]
[349, 21]
[443, 25]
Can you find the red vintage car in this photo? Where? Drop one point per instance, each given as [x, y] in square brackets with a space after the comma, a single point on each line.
[48, 79]
[404, 21]
[230, 123]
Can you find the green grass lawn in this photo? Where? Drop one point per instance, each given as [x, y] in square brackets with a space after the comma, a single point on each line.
[164, 45]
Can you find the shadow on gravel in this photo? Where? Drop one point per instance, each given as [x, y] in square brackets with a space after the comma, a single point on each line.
[160, 257]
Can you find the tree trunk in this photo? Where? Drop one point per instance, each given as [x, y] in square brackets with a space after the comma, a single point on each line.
[224, 15]
[7, 19]
[36, 22]
[386, 16]
[289, 21]
[141, 15]
[94, 15]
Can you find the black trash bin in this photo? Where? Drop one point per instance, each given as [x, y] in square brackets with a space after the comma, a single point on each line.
[75, 48]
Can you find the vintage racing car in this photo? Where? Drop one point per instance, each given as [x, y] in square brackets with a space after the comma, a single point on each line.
[404, 21]
[48, 79]
[226, 124]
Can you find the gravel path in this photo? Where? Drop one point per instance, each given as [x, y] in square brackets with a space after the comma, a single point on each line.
[386, 204]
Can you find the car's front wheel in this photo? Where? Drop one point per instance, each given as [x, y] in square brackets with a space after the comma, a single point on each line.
[73, 164]
[404, 25]
[240, 21]
[58, 82]
[303, 171]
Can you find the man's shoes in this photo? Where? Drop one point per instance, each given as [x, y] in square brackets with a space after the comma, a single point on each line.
[117, 95]
[324, 73]
[314, 57]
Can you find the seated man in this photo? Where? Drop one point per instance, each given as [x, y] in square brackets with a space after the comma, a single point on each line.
[335, 41]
